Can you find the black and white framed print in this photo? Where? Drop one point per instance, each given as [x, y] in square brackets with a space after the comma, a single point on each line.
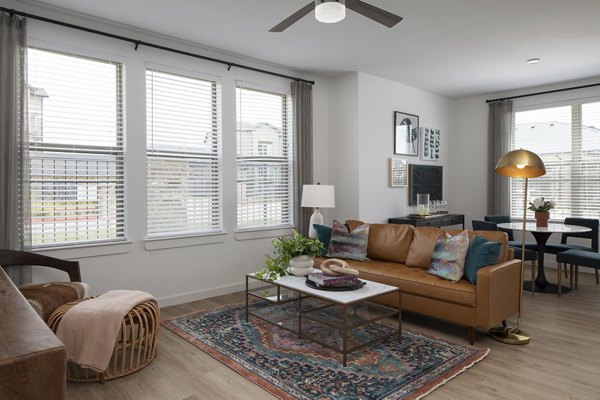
[430, 144]
[398, 172]
[406, 134]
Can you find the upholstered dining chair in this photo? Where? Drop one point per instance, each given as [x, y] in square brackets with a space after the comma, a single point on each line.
[515, 245]
[47, 297]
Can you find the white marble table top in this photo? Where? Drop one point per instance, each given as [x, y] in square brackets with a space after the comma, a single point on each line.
[371, 289]
[551, 228]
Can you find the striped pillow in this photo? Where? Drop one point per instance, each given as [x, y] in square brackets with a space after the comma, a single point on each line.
[345, 244]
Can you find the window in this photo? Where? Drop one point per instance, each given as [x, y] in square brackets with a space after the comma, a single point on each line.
[75, 149]
[567, 139]
[264, 160]
[183, 155]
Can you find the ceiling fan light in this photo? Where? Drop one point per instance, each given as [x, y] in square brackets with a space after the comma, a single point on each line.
[330, 11]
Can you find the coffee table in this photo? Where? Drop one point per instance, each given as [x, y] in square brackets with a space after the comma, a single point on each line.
[318, 314]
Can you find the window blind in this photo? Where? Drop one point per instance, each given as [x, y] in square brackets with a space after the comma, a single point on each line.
[567, 139]
[183, 155]
[265, 165]
[75, 149]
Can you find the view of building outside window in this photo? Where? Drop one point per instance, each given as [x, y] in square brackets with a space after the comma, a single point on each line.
[567, 138]
[264, 159]
[76, 149]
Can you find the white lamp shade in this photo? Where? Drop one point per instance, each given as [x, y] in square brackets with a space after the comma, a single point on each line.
[330, 11]
[321, 196]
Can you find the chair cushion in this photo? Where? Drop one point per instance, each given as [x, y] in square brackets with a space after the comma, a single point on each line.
[47, 297]
[556, 248]
[579, 257]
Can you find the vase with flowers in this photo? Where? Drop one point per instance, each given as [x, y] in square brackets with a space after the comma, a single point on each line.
[542, 209]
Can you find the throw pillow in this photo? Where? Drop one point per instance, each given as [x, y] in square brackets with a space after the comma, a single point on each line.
[345, 244]
[448, 257]
[323, 236]
[481, 253]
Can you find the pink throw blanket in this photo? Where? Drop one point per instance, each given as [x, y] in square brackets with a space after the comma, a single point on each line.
[89, 329]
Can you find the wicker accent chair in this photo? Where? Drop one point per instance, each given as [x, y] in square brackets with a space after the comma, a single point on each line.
[515, 245]
[47, 297]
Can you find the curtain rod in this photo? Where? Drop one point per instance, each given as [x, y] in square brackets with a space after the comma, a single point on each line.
[546, 92]
[147, 44]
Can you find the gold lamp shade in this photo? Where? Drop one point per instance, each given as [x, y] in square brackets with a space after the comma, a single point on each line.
[520, 164]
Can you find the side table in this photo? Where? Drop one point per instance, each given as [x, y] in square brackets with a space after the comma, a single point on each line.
[437, 220]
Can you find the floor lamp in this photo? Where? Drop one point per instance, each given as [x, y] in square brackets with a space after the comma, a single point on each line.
[518, 164]
[317, 196]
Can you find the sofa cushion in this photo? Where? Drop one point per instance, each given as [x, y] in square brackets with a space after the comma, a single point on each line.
[448, 259]
[350, 245]
[482, 253]
[493, 236]
[422, 246]
[389, 242]
[415, 281]
[352, 224]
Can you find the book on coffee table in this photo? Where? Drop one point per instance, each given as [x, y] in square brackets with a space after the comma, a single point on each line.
[329, 280]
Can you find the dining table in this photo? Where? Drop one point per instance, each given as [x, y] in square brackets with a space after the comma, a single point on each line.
[541, 235]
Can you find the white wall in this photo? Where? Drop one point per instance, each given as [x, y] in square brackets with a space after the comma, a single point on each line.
[343, 157]
[377, 100]
[185, 269]
[361, 125]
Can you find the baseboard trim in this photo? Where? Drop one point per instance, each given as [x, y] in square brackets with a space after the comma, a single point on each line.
[205, 293]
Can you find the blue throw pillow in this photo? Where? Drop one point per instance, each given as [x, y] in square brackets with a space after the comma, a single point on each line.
[323, 236]
[481, 253]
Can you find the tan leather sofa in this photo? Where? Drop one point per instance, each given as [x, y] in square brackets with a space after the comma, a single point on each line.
[399, 255]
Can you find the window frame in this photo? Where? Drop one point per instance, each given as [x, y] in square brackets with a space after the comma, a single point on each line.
[118, 150]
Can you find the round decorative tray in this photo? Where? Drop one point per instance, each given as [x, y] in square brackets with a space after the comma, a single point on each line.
[336, 288]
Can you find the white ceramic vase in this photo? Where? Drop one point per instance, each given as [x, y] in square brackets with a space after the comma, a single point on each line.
[301, 265]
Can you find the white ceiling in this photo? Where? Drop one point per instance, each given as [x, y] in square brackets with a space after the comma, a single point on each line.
[451, 47]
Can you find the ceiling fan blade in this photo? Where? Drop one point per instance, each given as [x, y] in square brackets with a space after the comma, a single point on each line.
[375, 13]
[292, 19]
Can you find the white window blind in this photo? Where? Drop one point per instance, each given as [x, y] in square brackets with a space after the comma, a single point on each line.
[265, 165]
[183, 155]
[75, 149]
[567, 139]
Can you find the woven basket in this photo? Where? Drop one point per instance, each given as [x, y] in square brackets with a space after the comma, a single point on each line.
[135, 346]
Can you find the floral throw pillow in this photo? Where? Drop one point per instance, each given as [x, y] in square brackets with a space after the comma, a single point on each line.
[448, 257]
[345, 244]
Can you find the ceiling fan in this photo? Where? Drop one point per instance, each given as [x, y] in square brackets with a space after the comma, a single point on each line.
[330, 11]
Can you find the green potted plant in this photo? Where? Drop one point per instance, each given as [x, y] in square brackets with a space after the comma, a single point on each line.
[294, 254]
[542, 209]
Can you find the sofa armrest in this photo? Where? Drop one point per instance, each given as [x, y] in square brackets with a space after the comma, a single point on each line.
[498, 289]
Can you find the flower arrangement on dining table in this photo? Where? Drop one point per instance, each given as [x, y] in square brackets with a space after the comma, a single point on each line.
[541, 204]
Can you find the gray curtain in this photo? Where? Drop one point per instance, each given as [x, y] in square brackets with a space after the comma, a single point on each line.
[14, 202]
[303, 129]
[499, 130]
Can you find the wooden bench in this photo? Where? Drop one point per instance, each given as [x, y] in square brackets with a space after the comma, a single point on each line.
[32, 359]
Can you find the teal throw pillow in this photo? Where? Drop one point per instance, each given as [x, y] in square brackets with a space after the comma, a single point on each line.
[481, 253]
[345, 244]
[323, 236]
[448, 257]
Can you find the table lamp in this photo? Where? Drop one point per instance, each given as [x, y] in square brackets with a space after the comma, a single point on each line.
[317, 196]
[518, 164]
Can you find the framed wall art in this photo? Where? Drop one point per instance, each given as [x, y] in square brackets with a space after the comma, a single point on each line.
[430, 144]
[424, 179]
[398, 172]
[406, 134]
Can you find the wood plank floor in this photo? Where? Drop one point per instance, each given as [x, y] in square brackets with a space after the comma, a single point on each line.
[561, 362]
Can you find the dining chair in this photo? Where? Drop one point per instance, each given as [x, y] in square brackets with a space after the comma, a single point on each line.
[576, 259]
[515, 245]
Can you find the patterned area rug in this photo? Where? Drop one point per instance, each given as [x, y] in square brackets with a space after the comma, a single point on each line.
[292, 368]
